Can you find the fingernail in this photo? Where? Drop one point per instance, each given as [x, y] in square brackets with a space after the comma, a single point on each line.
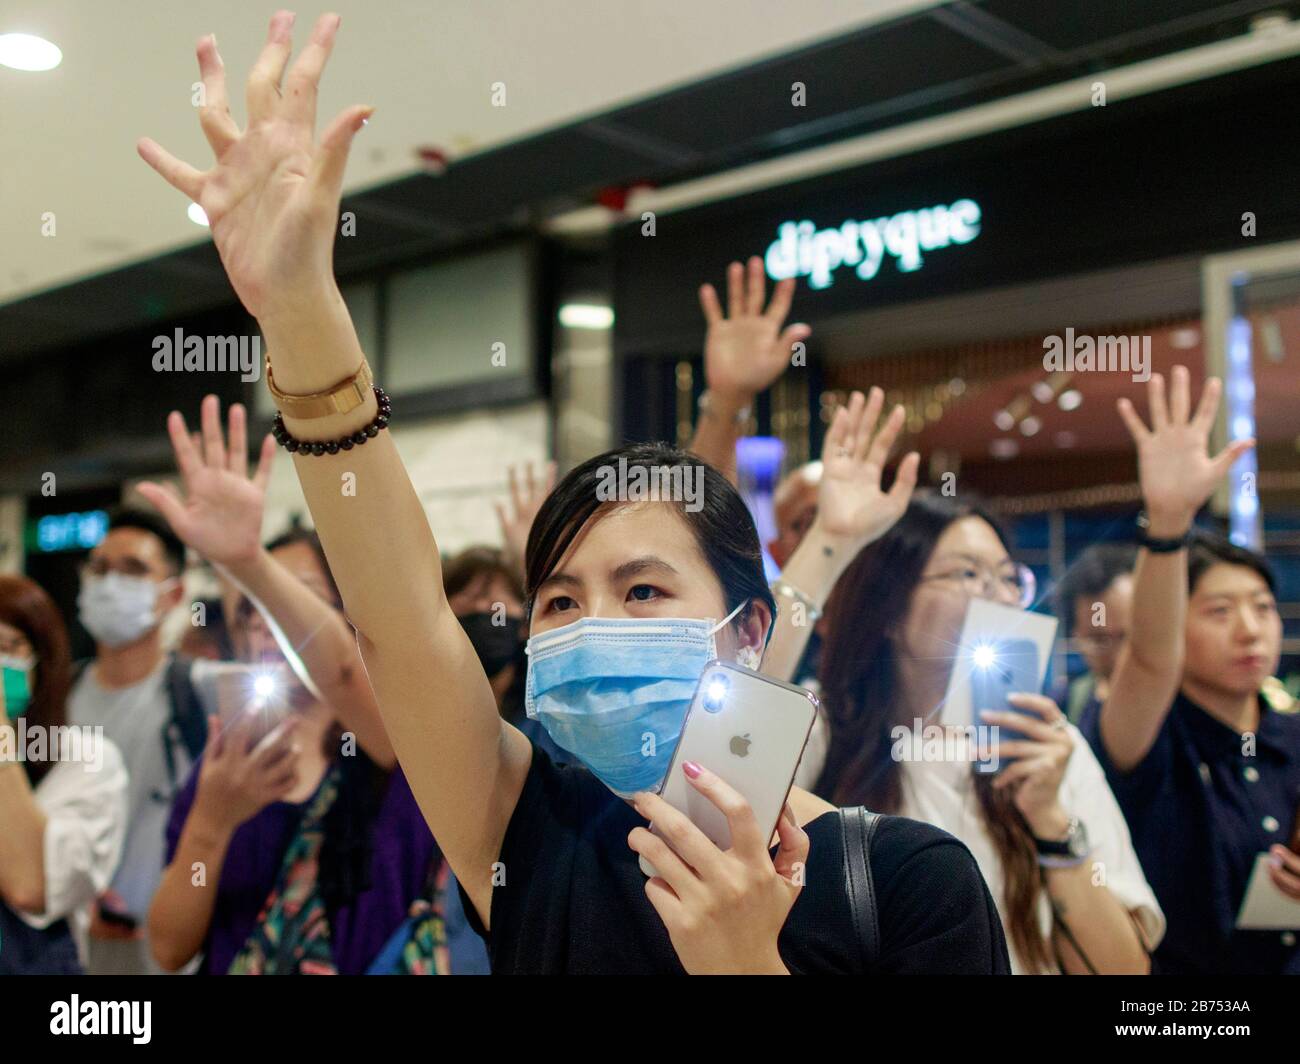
[1275, 861]
[692, 769]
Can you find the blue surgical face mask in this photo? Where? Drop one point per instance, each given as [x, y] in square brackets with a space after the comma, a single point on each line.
[614, 692]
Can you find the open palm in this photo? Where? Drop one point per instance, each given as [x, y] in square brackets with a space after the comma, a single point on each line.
[745, 350]
[1175, 469]
[220, 515]
[272, 196]
[850, 503]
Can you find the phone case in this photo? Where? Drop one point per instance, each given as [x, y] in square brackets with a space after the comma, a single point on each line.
[1014, 668]
[754, 739]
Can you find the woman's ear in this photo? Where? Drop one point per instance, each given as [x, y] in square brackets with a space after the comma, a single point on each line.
[751, 633]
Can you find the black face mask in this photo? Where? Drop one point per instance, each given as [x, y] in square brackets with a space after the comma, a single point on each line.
[497, 645]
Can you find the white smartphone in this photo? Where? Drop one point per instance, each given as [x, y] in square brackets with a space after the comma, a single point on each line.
[749, 729]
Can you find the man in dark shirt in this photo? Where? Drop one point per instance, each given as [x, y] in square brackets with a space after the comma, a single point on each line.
[1207, 774]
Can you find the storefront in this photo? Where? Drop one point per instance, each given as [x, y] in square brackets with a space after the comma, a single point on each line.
[1007, 290]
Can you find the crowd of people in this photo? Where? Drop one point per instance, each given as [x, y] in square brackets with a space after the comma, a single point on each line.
[412, 794]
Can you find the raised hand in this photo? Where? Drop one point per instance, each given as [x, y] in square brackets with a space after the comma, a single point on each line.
[272, 196]
[241, 775]
[745, 351]
[1175, 469]
[525, 501]
[221, 513]
[851, 507]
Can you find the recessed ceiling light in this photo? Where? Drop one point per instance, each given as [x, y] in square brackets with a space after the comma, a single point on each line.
[197, 215]
[1004, 449]
[1003, 420]
[1030, 426]
[586, 316]
[23, 51]
[1070, 400]
[1184, 339]
[956, 386]
[1042, 391]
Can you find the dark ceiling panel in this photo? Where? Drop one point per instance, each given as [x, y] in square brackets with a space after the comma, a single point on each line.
[1076, 24]
[874, 67]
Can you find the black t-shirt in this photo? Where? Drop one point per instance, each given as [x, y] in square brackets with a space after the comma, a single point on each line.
[573, 896]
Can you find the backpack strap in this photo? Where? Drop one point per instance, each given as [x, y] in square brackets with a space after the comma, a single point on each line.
[188, 725]
[857, 826]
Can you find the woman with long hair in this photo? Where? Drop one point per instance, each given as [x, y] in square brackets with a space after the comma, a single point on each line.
[629, 599]
[62, 794]
[1046, 829]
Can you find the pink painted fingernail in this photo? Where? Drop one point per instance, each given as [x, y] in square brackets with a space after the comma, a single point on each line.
[692, 769]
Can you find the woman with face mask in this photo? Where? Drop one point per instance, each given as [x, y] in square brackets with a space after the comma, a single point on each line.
[628, 602]
[63, 802]
[1046, 829]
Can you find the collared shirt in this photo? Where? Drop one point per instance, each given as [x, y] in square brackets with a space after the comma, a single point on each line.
[1202, 804]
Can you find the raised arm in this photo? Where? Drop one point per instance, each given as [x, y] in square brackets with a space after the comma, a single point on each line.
[221, 518]
[272, 199]
[852, 511]
[1177, 475]
[745, 351]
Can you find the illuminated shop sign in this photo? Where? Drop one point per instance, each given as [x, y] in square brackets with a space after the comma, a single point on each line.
[76, 531]
[803, 250]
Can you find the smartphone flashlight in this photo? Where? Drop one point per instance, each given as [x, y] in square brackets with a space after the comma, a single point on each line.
[264, 686]
[715, 692]
[984, 656]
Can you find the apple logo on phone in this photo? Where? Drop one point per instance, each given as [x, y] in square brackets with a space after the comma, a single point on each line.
[740, 745]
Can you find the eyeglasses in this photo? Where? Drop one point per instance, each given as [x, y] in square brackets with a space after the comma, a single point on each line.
[1013, 581]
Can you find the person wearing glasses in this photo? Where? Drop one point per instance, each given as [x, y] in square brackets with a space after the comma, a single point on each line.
[1045, 829]
[1095, 602]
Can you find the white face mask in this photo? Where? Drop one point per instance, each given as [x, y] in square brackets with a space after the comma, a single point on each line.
[118, 609]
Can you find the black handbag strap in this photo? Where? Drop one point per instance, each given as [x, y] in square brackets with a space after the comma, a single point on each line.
[857, 826]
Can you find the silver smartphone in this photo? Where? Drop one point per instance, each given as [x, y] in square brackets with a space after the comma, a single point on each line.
[749, 729]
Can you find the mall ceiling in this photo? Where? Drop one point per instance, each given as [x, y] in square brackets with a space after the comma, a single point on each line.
[928, 62]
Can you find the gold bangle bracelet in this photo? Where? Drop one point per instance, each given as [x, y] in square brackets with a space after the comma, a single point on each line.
[343, 397]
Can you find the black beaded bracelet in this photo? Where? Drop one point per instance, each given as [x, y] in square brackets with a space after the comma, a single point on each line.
[356, 439]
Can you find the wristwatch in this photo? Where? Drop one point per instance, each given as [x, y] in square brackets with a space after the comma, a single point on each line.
[1155, 545]
[1066, 852]
[345, 396]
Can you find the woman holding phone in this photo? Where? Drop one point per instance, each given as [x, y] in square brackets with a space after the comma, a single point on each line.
[314, 854]
[547, 856]
[1047, 831]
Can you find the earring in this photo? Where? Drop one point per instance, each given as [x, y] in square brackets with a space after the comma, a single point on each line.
[748, 658]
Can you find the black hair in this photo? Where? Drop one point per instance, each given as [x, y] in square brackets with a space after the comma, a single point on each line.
[1092, 573]
[723, 527]
[155, 524]
[1207, 550]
